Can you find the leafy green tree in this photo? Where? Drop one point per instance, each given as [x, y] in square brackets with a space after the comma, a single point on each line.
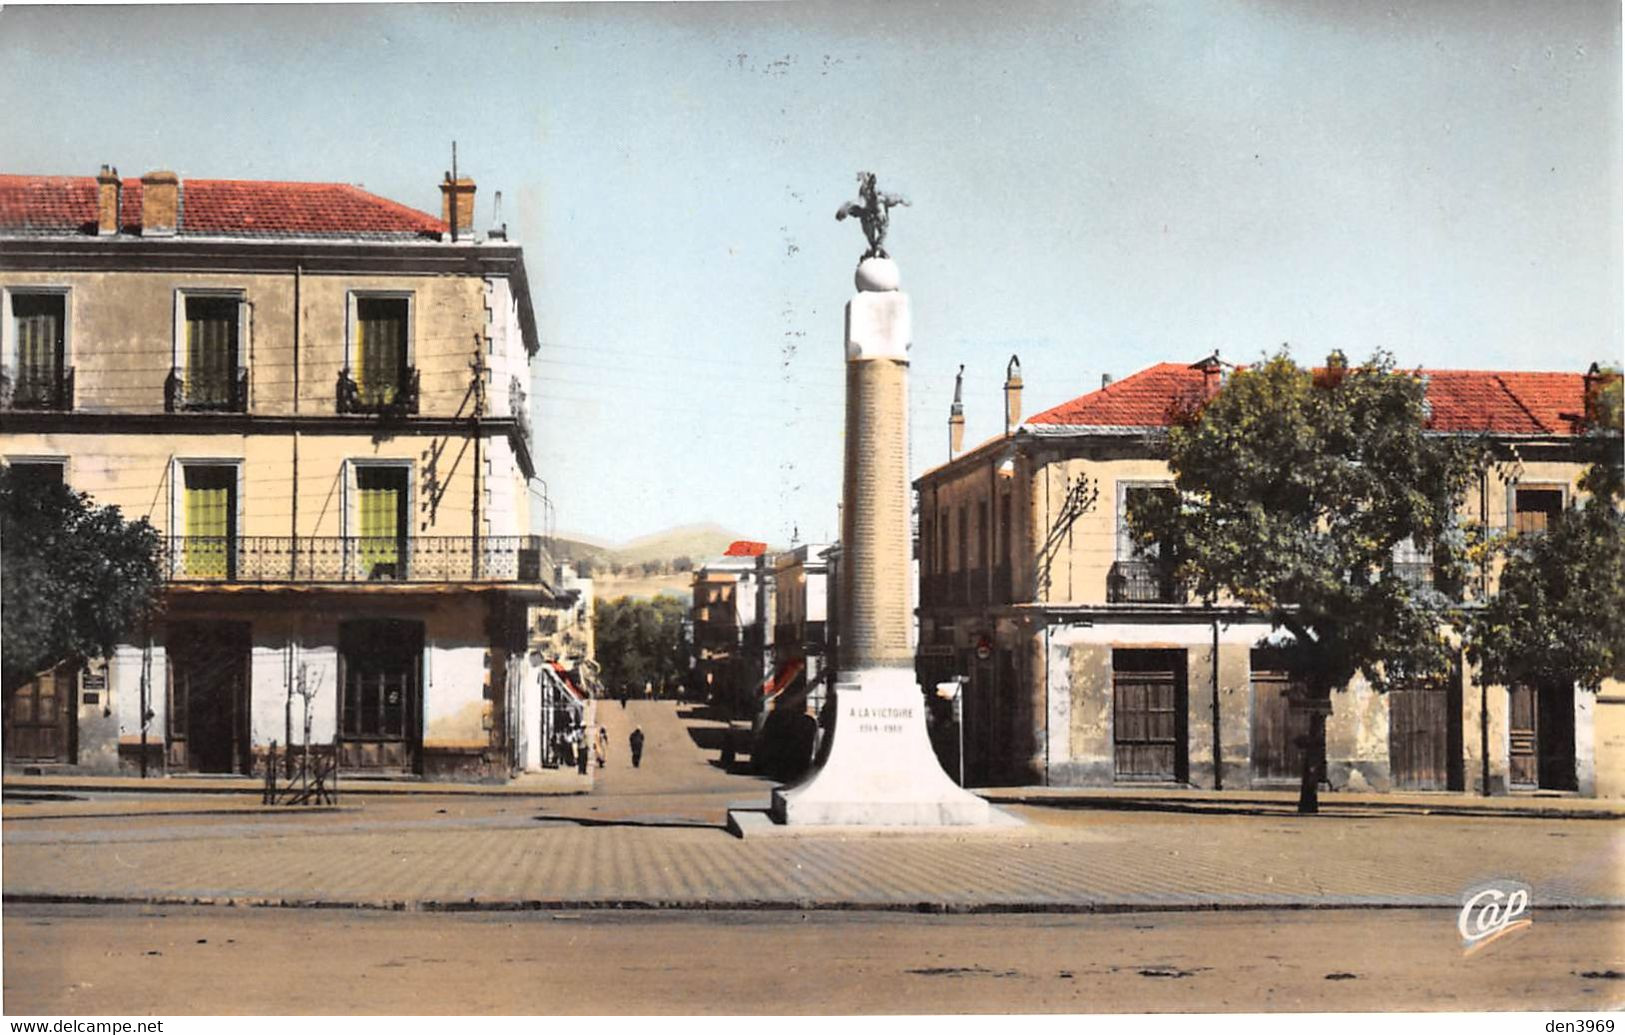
[640, 641]
[1294, 489]
[77, 577]
[1558, 615]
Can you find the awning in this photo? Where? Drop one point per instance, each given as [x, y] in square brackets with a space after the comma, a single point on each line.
[784, 677]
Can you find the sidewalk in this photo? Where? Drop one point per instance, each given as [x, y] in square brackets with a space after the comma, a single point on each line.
[548, 781]
[1271, 802]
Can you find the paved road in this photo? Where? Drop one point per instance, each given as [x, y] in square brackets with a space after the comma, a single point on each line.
[653, 837]
[70, 960]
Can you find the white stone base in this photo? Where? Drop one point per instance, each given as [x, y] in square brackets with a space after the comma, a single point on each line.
[881, 770]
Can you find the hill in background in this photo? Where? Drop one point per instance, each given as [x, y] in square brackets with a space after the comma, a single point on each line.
[660, 553]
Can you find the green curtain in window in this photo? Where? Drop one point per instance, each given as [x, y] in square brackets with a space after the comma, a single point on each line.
[38, 322]
[210, 518]
[381, 349]
[211, 350]
[382, 510]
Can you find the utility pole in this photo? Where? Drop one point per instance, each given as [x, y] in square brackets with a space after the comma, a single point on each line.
[479, 412]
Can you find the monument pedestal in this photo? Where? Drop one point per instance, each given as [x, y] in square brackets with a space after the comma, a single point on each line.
[881, 770]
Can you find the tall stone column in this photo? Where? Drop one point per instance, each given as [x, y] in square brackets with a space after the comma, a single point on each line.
[880, 770]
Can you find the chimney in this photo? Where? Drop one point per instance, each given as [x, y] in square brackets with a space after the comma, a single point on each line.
[956, 416]
[499, 229]
[1012, 395]
[1105, 380]
[457, 206]
[160, 204]
[1212, 369]
[109, 198]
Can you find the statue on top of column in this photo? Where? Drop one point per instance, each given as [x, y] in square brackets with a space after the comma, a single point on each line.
[873, 210]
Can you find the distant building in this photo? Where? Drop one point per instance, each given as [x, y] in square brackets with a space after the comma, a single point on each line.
[317, 395]
[731, 611]
[1088, 666]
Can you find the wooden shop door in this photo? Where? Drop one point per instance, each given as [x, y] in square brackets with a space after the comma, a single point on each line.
[40, 727]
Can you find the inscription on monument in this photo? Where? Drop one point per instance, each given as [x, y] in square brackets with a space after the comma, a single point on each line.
[880, 720]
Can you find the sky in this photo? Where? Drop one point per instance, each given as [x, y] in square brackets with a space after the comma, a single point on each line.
[1094, 187]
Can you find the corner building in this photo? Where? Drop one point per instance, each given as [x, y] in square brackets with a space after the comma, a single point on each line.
[1087, 665]
[317, 395]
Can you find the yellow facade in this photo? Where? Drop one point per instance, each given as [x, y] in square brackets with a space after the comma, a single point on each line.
[257, 473]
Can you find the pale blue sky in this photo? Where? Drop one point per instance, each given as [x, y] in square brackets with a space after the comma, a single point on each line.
[1095, 186]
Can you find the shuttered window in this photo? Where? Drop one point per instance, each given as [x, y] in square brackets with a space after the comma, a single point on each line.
[38, 322]
[211, 351]
[380, 349]
[210, 516]
[381, 510]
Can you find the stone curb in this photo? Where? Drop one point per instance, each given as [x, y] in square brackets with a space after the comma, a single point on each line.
[1258, 807]
[246, 788]
[757, 905]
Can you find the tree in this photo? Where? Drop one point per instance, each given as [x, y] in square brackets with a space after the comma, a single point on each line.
[1294, 489]
[77, 577]
[1558, 615]
[640, 641]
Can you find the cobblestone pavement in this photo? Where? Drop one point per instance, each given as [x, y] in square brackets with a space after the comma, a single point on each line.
[654, 837]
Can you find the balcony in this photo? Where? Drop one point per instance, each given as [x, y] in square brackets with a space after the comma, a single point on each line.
[1141, 581]
[1417, 574]
[356, 559]
[213, 392]
[37, 391]
[388, 400]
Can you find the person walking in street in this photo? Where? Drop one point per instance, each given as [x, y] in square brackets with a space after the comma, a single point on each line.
[581, 750]
[600, 746]
[637, 746]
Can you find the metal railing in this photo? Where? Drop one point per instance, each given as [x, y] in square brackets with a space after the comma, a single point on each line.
[317, 559]
[387, 399]
[34, 391]
[216, 391]
[1141, 581]
[1418, 574]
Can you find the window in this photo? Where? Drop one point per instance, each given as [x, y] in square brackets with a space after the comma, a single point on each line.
[29, 473]
[380, 375]
[1139, 575]
[981, 533]
[382, 520]
[209, 513]
[1535, 507]
[208, 375]
[40, 378]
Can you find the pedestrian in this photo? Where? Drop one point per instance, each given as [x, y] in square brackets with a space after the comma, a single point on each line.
[581, 750]
[637, 746]
[601, 746]
[624, 694]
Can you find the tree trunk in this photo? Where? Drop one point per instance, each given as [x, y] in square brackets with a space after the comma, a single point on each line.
[1314, 753]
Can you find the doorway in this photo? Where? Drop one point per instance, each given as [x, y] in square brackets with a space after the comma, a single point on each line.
[381, 708]
[39, 718]
[1149, 716]
[1541, 735]
[208, 696]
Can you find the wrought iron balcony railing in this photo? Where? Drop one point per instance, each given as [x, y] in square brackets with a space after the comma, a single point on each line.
[1418, 573]
[1141, 581]
[317, 559]
[37, 391]
[389, 398]
[215, 391]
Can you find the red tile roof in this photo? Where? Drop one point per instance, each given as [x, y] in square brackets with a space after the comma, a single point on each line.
[744, 548]
[54, 205]
[1500, 401]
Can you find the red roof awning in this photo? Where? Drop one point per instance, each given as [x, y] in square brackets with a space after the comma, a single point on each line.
[784, 677]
